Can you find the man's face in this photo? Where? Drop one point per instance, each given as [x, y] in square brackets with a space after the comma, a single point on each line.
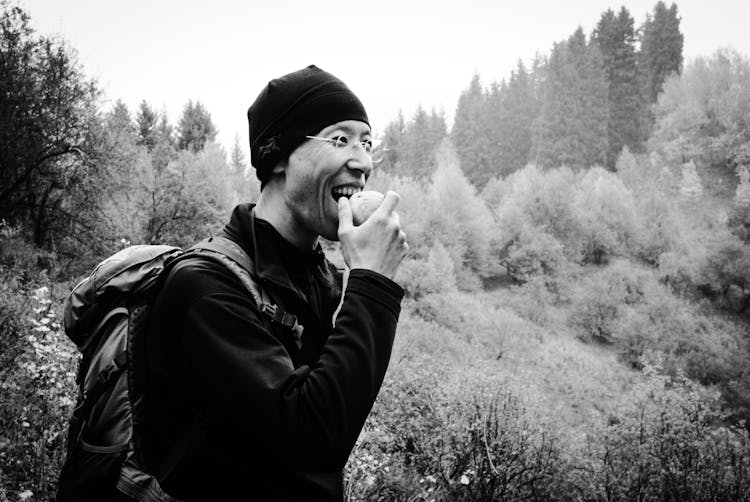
[321, 170]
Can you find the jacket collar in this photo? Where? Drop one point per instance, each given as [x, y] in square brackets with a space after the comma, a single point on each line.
[270, 252]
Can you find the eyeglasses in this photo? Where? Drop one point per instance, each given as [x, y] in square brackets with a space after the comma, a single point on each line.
[344, 142]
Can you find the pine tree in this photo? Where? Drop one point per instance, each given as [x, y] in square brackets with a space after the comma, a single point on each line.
[661, 49]
[119, 118]
[470, 135]
[408, 149]
[615, 38]
[387, 153]
[147, 122]
[195, 128]
[512, 108]
[571, 128]
[237, 161]
[417, 152]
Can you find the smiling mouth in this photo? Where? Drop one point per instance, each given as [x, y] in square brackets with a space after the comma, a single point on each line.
[344, 191]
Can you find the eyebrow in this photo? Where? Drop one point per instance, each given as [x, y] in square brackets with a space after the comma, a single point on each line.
[350, 130]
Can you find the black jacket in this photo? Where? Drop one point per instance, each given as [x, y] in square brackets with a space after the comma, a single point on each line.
[237, 409]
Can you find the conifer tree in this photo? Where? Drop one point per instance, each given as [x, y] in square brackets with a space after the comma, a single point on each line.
[388, 151]
[237, 161]
[408, 149]
[419, 142]
[195, 128]
[571, 128]
[512, 109]
[147, 122]
[661, 49]
[470, 134]
[615, 38]
[119, 118]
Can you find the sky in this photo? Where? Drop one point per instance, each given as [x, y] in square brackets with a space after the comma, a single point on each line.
[395, 55]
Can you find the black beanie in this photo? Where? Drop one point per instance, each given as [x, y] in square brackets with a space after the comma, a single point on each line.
[291, 107]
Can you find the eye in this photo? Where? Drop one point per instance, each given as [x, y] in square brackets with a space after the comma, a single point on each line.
[340, 141]
[367, 145]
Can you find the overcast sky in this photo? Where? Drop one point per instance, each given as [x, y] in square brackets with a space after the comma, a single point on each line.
[392, 54]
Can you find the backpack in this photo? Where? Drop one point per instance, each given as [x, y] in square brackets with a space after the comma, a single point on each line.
[107, 316]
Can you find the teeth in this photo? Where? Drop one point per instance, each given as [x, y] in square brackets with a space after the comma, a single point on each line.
[344, 191]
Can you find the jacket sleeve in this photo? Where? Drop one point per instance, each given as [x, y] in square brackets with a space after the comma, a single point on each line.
[309, 417]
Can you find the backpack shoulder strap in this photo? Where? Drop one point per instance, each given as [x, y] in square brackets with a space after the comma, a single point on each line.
[230, 254]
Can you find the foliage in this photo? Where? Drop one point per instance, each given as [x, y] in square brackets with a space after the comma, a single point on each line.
[534, 253]
[510, 114]
[37, 373]
[643, 265]
[571, 128]
[423, 277]
[431, 445]
[459, 219]
[661, 49]
[605, 211]
[702, 117]
[188, 199]
[408, 148]
[471, 136]
[195, 128]
[615, 37]
[147, 122]
[665, 446]
[50, 186]
[538, 228]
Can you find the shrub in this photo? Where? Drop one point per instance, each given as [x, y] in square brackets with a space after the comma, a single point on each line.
[460, 220]
[424, 277]
[541, 199]
[665, 444]
[602, 298]
[657, 229]
[535, 253]
[605, 212]
[425, 442]
[38, 391]
[464, 319]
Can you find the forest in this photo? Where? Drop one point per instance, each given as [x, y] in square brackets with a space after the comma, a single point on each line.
[577, 311]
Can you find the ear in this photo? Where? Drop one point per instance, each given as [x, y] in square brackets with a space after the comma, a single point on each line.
[281, 166]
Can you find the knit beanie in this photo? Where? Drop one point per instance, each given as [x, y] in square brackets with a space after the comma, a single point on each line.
[291, 107]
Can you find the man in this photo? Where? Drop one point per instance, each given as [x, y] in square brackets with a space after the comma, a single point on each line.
[244, 411]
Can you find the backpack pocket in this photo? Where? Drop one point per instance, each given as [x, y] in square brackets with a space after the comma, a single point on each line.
[90, 473]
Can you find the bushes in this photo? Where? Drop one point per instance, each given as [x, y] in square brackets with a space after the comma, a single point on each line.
[625, 306]
[37, 372]
[438, 436]
[436, 442]
[534, 253]
[38, 390]
[665, 446]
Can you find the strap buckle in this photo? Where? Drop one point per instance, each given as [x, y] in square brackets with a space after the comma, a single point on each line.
[288, 321]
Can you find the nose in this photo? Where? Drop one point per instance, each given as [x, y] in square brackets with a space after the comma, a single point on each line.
[361, 162]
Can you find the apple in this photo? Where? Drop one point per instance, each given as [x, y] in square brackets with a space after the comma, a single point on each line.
[363, 204]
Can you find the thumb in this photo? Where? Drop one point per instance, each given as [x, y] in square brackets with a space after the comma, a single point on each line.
[345, 215]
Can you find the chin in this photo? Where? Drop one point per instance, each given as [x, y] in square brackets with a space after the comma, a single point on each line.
[331, 236]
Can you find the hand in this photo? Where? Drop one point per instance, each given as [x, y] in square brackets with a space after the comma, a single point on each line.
[378, 244]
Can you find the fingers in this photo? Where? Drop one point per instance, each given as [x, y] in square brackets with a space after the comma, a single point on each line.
[345, 215]
[389, 202]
